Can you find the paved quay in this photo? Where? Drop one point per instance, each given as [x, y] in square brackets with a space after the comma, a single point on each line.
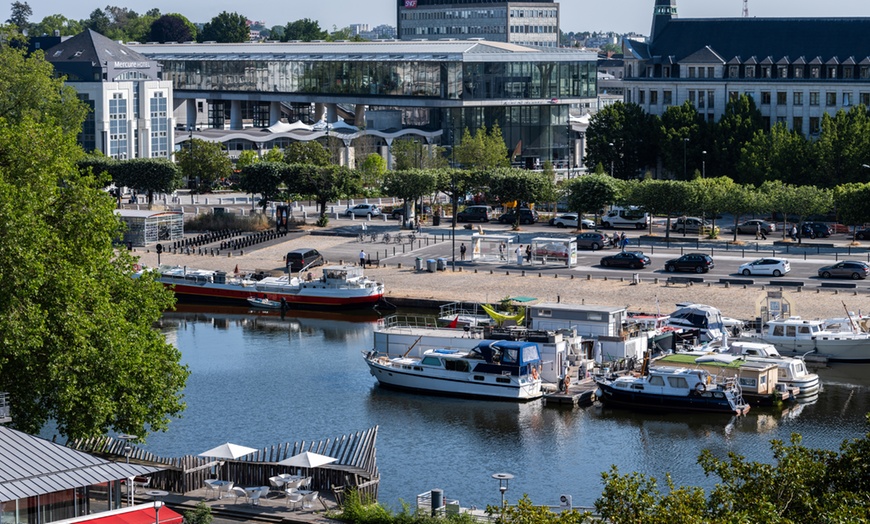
[491, 282]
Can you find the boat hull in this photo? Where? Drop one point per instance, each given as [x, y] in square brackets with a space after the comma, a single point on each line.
[458, 384]
[834, 349]
[237, 294]
[714, 401]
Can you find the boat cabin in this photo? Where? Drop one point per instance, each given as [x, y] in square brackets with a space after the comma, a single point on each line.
[606, 325]
[342, 273]
[755, 378]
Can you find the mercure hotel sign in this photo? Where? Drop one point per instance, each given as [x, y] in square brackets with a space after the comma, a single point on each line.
[131, 65]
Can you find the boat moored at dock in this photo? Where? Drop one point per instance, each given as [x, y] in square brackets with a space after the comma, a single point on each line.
[795, 336]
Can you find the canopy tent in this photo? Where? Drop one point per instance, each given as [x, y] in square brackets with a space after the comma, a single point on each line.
[227, 451]
[307, 459]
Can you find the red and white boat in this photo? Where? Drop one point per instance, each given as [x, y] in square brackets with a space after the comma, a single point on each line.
[339, 287]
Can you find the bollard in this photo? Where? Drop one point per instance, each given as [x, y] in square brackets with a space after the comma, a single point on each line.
[572, 277]
[475, 271]
[398, 266]
[507, 273]
[540, 275]
[588, 277]
[490, 272]
[522, 274]
[555, 275]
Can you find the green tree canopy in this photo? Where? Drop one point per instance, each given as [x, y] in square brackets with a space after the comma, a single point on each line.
[681, 128]
[624, 139]
[311, 152]
[843, 146]
[662, 197]
[79, 345]
[372, 169]
[410, 153]
[483, 150]
[738, 125]
[324, 183]
[852, 202]
[147, 175]
[264, 178]
[171, 27]
[304, 30]
[203, 163]
[63, 25]
[517, 185]
[226, 28]
[592, 193]
[410, 185]
[19, 15]
[779, 155]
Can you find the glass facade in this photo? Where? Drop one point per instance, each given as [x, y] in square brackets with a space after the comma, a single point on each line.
[88, 137]
[118, 127]
[424, 79]
[159, 125]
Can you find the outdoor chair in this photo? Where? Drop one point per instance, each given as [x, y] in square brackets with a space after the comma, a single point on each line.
[209, 486]
[309, 499]
[304, 483]
[292, 486]
[277, 483]
[239, 493]
[254, 496]
[294, 499]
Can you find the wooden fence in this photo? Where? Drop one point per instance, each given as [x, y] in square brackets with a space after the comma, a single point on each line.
[355, 468]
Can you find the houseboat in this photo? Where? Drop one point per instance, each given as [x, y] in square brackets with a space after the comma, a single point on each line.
[795, 336]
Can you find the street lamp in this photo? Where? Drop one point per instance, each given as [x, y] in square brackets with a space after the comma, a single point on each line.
[685, 146]
[703, 164]
[503, 480]
[611, 159]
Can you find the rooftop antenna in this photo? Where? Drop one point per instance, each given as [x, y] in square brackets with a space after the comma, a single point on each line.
[745, 8]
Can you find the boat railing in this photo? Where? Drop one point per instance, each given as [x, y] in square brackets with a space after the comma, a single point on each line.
[399, 322]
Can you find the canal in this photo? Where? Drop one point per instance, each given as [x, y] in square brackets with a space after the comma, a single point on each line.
[258, 379]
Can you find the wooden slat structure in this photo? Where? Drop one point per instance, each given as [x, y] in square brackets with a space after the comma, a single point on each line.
[355, 468]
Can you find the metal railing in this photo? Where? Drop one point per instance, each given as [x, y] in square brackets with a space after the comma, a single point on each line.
[5, 415]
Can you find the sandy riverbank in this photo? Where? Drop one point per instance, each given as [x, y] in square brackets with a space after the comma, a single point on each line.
[451, 286]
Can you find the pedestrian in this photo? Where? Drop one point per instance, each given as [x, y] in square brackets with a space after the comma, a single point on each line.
[529, 254]
[615, 240]
[624, 241]
[757, 231]
[362, 258]
[462, 249]
[519, 253]
[501, 251]
[794, 232]
[761, 232]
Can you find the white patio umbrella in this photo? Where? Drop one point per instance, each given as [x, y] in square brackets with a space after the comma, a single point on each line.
[227, 451]
[307, 459]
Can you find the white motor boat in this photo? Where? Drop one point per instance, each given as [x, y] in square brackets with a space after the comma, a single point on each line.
[795, 336]
[493, 369]
[792, 371]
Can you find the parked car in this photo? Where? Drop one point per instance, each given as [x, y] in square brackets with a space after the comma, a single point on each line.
[862, 234]
[303, 258]
[632, 259]
[750, 227]
[697, 262]
[361, 210]
[765, 266]
[399, 212]
[570, 220]
[693, 226]
[593, 241]
[527, 216]
[475, 214]
[854, 269]
[818, 229]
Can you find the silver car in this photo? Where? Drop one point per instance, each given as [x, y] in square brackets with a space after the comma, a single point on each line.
[854, 269]
[750, 227]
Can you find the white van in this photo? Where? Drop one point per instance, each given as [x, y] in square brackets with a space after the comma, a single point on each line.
[625, 217]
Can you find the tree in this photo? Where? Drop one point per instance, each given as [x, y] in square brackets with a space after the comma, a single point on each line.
[409, 185]
[97, 22]
[797, 201]
[709, 195]
[79, 345]
[226, 28]
[739, 123]
[526, 512]
[312, 153]
[372, 170]
[304, 30]
[325, 183]
[274, 155]
[843, 145]
[517, 185]
[681, 127]
[624, 139]
[263, 178]
[277, 33]
[19, 15]
[483, 150]
[171, 27]
[661, 197]
[852, 202]
[203, 163]
[592, 193]
[779, 155]
[409, 153]
[63, 25]
[246, 158]
[147, 175]
[742, 199]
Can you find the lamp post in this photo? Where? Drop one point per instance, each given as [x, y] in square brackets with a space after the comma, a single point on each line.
[570, 149]
[611, 159]
[703, 164]
[503, 480]
[685, 147]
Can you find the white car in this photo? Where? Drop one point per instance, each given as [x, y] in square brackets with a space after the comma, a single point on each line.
[361, 210]
[765, 266]
[570, 220]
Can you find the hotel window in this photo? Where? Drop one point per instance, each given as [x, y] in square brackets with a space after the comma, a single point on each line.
[814, 72]
[830, 99]
[653, 97]
[701, 100]
[783, 71]
[641, 97]
[667, 97]
[798, 124]
[765, 71]
[864, 72]
[832, 72]
[749, 72]
[710, 97]
[765, 98]
[781, 98]
[798, 98]
[692, 97]
[814, 98]
[666, 71]
[733, 71]
[711, 72]
[847, 99]
[865, 99]
[700, 72]
[691, 72]
[799, 72]
[814, 125]
[848, 72]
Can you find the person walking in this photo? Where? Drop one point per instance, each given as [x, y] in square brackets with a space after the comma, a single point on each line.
[501, 251]
[529, 254]
[757, 231]
[362, 258]
[462, 249]
[760, 233]
[519, 253]
[794, 233]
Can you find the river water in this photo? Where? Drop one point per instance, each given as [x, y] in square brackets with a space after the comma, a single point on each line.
[258, 380]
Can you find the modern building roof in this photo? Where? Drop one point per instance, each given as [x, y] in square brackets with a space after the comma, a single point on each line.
[763, 37]
[90, 46]
[31, 466]
[426, 50]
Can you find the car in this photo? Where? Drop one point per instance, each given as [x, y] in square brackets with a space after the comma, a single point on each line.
[593, 241]
[815, 230]
[527, 216]
[570, 220]
[862, 234]
[632, 259]
[692, 225]
[697, 262]
[475, 214]
[750, 227]
[362, 210]
[302, 258]
[399, 212]
[854, 269]
[765, 266]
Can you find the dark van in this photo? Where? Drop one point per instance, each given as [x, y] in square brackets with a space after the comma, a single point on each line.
[303, 258]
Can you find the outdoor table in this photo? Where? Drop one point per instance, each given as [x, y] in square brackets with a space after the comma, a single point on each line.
[220, 485]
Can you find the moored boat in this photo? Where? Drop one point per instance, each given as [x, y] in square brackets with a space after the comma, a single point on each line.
[263, 303]
[672, 389]
[795, 336]
[792, 371]
[493, 369]
[338, 286]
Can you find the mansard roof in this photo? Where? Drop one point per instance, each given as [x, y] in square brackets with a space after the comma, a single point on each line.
[774, 37]
[703, 56]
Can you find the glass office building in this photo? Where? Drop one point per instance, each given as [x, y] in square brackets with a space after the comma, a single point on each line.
[445, 86]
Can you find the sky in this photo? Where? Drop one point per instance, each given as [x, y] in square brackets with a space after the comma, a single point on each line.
[622, 16]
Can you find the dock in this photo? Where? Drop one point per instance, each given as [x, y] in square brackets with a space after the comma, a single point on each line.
[579, 393]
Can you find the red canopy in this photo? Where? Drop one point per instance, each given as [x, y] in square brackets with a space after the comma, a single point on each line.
[140, 516]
